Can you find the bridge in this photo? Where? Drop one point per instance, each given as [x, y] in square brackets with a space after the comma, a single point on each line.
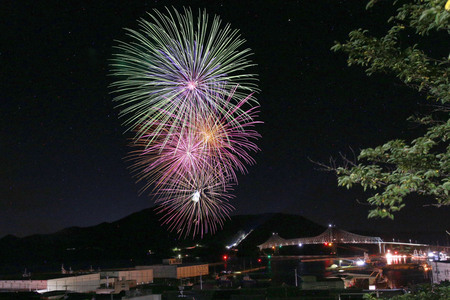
[331, 235]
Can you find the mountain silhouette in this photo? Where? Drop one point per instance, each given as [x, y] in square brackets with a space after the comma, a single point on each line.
[140, 239]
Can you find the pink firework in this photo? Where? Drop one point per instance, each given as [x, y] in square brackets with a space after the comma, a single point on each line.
[183, 88]
[208, 143]
[198, 205]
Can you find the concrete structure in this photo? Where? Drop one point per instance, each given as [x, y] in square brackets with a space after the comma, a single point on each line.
[177, 271]
[79, 284]
[116, 286]
[23, 285]
[124, 279]
[140, 276]
[440, 271]
[192, 271]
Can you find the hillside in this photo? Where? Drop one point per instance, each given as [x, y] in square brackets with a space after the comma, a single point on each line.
[139, 239]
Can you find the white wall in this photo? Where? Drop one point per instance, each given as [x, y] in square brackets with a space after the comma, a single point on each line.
[26, 285]
[441, 271]
[82, 283]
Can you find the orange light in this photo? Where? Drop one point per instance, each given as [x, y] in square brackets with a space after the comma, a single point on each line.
[330, 244]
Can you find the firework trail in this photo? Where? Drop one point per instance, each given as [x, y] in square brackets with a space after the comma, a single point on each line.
[182, 87]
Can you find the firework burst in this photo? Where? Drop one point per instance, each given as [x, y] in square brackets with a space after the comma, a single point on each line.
[197, 205]
[174, 64]
[207, 144]
[183, 88]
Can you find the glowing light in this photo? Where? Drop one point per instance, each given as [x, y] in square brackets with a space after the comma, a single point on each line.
[196, 196]
[389, 258]
[192, 85]
[360, 263]
[185, 216]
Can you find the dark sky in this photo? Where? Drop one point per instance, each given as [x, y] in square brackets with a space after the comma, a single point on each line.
[62, 147]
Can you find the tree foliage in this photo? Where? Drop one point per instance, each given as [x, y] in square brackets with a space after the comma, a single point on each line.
[422, 292]
[399, 168]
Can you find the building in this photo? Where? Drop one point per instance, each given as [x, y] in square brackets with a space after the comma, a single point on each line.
[92, 282]
[440, 271]
[23, 285]
[140, 276]
[177, 271]
[80, 284]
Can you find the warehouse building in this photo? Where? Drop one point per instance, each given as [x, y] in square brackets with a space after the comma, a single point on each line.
[141, 276]
[93, 281]
[82, 283]
[177, 271]
[78, 284]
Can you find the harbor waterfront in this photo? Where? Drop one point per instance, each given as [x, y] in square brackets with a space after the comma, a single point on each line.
[329, 276]
[325, 271]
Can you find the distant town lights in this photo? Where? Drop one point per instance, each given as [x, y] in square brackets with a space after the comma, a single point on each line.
[360, 263]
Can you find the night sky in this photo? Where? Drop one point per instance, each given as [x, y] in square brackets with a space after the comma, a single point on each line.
[62, 145]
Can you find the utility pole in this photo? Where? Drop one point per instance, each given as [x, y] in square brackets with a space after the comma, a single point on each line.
[296, 283]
